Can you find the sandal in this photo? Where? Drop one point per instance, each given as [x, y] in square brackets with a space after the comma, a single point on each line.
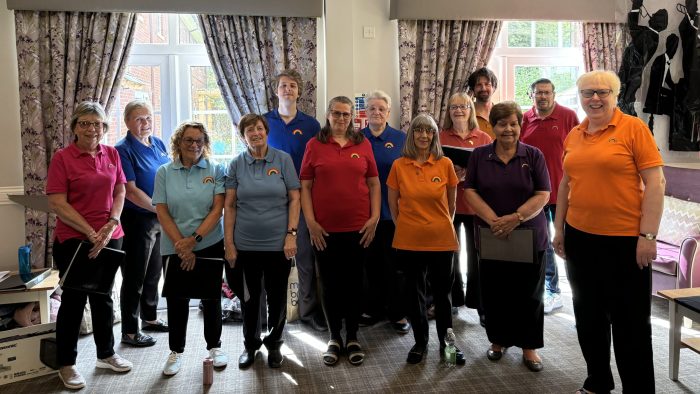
[330, 357]
[355, 354]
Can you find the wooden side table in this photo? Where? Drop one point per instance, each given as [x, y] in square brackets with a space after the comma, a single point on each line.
[39, 293]
[676, 313]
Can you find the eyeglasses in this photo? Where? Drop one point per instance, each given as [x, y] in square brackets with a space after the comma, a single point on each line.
[461, 106]
[338, 114]
[84, 124]
[602, 93]
[542, 93]
[190, 141]
[381, 110]
[424, 131]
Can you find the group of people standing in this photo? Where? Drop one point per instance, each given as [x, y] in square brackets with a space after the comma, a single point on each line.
[380, 202]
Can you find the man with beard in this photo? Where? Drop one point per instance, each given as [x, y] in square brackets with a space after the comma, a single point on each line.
[546, 126]
[482, 84]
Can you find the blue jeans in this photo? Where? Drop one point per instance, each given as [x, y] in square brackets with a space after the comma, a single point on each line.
[551, 275]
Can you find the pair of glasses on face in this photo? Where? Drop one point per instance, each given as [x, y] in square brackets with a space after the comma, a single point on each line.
[191, 141]
[338, 115]
[463, 107]
[602, 93]
[424, 131]
[542, 93]
[84, 124]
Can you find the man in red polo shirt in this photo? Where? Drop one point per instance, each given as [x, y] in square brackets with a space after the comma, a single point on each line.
[545, 126]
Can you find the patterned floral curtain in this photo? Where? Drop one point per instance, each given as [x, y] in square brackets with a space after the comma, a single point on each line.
[247, 52]
[435, 60]
[63, 58]
[603, 44]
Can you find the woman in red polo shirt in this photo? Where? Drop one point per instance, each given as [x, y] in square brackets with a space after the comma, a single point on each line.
[340, 197]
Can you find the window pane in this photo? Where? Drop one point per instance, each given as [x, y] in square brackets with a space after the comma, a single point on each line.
[208, 107]
[138, 83]
[189, 31]
[568, 31]
[519, 34]
[563, 78]
[546, 34]
[224, 140]
[151, 29]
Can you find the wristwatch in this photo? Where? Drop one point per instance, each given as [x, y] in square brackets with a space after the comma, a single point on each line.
[648, 236]
[114, 219]
[292, 232]
[520, 217]
[197, 237]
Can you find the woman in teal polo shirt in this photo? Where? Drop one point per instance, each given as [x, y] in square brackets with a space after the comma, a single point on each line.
[261, 215]
[189, 199]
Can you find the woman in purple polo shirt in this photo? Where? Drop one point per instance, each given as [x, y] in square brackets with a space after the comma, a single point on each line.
[507, 185]
[86, 190]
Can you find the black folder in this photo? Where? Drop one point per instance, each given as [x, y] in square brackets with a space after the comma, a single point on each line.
[518, 247]
[458, 155]
[92, 275]
[203, 282]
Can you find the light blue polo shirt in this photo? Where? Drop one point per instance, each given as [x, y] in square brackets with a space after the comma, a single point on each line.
[189, 194]
[140, 163]
[292, 137]
[262, 200]
[387, 147]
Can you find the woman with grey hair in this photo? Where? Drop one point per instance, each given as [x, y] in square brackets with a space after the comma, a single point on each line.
[141, 154]
[422, 192]
[86, 190]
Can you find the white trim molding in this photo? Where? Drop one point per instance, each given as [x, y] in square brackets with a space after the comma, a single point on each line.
[6, 190]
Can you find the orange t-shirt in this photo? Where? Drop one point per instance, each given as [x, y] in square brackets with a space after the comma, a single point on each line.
[605, 188]
[423, 222]
[485, 126]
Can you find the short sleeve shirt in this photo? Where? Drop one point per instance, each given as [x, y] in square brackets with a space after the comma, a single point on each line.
[88, 183]
[424, 222]
[189, 194]
[387, 147]
[291, 137]
[140, 163]
[505, 187]
[605, 188]
[262, 199]
[339, 194]
[548, 135]
[485, 126]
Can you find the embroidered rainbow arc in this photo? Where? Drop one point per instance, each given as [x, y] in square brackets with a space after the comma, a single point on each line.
[272, 171]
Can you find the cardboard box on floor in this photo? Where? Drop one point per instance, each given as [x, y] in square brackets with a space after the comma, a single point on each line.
[20, 350]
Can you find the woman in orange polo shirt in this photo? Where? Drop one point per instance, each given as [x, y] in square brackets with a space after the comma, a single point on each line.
[609, 207]
[422, 188]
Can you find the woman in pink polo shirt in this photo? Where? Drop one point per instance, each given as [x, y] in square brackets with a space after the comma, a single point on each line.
[86, 191]
[340, 197]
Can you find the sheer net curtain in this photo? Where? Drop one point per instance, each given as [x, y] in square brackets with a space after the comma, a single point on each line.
[246, 53]
[63, 58]
[603, 45]
[435, 60]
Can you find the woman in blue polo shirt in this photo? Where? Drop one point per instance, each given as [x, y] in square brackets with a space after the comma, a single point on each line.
[261, 215]
[189, 199]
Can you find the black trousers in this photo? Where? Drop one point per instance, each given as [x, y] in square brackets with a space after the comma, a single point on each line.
[436, 267]
[309, 303]
[386, 284]
[610, 291]
[511, 294]
[472, 297]
[340, 269]
[255, 270]
[179, 309]
[141, 269]
[70, 313]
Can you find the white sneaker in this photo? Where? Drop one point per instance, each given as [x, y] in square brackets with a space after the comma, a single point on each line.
[71, 378]
[172, 364]
[551, 302]
[219, 356]
[116, 363]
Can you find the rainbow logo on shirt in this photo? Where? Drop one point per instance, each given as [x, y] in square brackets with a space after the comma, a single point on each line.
[388, 145]
[208, 179]
[612, 140]
[471, 142]
[355, 155]
[436, 179]
[297, 131]
[272, 171]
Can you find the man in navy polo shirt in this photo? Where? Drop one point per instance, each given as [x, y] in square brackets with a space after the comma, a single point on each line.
[290, 130]
[546, 126]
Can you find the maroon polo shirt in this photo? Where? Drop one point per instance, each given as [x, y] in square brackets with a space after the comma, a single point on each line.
[548, 135]
[505, 187]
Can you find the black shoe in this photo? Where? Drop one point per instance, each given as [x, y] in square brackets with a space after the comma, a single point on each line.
[415, 355]
[160, 326]
[495, 355]
[139, 340]
[459, 355]
[367, 320]
[401, 328]
[532, 365]
[274, 358]
[246, 358]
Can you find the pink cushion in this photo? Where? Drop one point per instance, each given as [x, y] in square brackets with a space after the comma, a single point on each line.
[666, 258]
[680, 220]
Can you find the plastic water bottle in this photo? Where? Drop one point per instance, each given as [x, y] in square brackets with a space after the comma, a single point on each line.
[450, 350]
[24, 256]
